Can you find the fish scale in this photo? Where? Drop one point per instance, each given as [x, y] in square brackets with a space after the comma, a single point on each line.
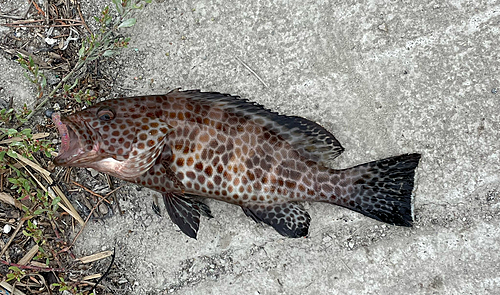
[189, 144]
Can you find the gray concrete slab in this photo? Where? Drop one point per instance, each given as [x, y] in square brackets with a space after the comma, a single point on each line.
[13, 84]
[386, 79]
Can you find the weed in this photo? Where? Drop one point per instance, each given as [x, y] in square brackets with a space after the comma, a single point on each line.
[106, 43]
[80, 96]
[16, 274]
[65, 286]
[33, 73]
[37, 205]
[23, 143]
[6, 115]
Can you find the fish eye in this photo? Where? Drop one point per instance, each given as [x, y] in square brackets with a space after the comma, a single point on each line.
[105, 114]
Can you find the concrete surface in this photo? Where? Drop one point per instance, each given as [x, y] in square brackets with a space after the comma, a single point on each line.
[386, 77]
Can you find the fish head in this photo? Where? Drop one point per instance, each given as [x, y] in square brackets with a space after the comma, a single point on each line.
[119, 137]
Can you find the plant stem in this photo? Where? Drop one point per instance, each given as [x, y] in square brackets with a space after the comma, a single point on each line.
[77, 67]
[44, 269]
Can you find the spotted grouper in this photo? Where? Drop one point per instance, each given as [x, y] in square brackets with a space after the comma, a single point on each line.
[191, 144]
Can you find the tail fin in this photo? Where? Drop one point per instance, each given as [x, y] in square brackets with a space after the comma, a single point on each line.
[382, 189]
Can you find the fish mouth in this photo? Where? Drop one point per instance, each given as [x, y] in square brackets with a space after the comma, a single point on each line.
[73, 148]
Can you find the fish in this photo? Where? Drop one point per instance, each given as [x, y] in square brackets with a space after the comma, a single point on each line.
[190, 145]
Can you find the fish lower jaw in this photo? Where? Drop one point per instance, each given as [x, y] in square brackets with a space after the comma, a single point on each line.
[62, 160]
[77, 157]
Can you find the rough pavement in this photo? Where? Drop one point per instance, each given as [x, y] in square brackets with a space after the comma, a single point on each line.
[386, 79]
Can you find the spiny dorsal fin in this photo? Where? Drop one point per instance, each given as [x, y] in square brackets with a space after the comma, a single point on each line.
[312, 141]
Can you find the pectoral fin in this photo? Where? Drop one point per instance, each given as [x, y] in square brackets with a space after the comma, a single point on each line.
[288, 219]
[185, 212]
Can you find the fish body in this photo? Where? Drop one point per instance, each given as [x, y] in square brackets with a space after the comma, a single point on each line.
[189, 144]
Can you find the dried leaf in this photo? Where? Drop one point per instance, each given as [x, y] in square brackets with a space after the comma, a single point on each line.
[8, 199]
[95, 257]
[9, 288]
[38, 264]
[35, 136]
[27, 258]
[91, 277]
[29, 163]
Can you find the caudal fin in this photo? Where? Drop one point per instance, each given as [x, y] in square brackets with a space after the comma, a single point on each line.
[381, 189]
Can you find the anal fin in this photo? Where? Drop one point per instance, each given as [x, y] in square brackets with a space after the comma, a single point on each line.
[288, 219]
[185, 212]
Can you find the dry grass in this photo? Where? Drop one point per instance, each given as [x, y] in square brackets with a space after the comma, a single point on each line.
[38, 221]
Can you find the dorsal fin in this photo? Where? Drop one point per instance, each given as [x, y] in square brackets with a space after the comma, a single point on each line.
[311, 141]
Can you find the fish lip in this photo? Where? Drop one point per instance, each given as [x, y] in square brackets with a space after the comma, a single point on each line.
[72, 144]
